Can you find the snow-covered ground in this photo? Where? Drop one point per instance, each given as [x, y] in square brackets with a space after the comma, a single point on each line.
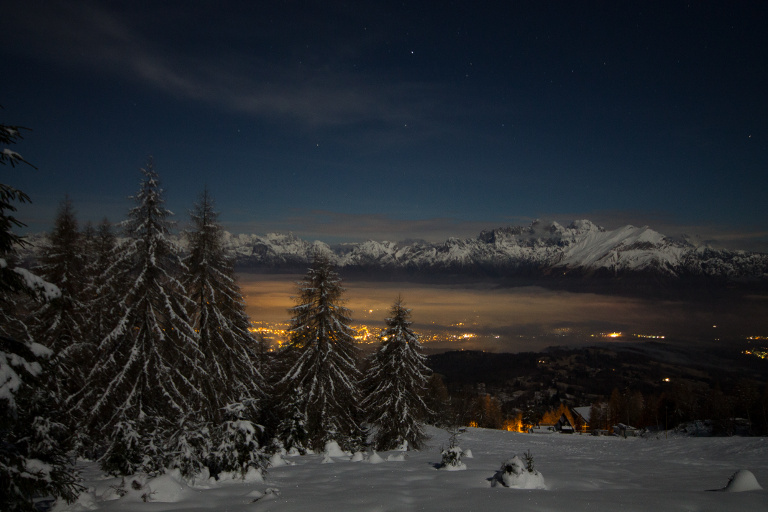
[580, 472]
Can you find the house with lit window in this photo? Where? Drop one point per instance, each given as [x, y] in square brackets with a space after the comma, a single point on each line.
[561, 426]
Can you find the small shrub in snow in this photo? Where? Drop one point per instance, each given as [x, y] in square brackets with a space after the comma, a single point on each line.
[238, 449]
[528, 459]
[451, 456]
[451, 460]
[124, 454]
[518, 473]
[189, 448]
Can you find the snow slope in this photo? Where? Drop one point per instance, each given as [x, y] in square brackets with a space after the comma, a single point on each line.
[582, 473]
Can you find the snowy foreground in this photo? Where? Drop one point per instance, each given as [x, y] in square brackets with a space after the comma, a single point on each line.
[580, 473]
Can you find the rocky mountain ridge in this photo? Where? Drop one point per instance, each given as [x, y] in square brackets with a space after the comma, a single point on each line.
[547, 249]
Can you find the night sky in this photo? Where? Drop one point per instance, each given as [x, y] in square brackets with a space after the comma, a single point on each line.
[346, 121]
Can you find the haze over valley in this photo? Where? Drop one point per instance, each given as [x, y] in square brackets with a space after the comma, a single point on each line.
[484, 316]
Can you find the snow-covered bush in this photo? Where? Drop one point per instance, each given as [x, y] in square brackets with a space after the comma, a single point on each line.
[451, 456]
[124, 455]
[237, 448]
[189, 448]
[519, 473]
[34, 458]
[291, 431]
[451, 459]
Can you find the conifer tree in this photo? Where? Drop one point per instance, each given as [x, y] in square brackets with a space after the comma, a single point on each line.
[14, 292]
[11, 281]
[105, 282]
[395, 385]
[147, 371]
[33, 448]
[230, 352]
[59, 323]
[321, 359]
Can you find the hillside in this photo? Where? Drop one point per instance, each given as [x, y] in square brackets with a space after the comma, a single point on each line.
[661, 473]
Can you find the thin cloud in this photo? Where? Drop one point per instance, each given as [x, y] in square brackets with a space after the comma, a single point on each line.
[327, 226]
[101, 38]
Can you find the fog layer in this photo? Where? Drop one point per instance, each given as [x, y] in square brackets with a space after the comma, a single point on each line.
[520, 319]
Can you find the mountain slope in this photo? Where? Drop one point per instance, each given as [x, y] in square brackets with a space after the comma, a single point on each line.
[581, 247]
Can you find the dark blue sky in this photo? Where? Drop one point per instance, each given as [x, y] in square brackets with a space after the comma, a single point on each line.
[392, 120]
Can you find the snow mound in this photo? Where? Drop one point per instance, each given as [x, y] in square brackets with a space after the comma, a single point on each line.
[375, 458]
[402, 447]
[269, 493]
[332, 449]
[357, 457]
[202, 480]
[397, 457]
[742, 480]
[514, 474]
[167, 488]
[467, 454]
[252, 475]
[277, 461]
[327, 459]
[86, 501]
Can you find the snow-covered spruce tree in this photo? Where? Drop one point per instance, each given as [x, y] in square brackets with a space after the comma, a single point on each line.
[12, 280]
[395, 384]
[34, 459]
[147, 370]
[236, 443]
[438, 401]
[291, 429]
[189, 446]
[33, 448]
[14, 296]
[230, 361]
[321, 361]
[59, 323]
[106, 281]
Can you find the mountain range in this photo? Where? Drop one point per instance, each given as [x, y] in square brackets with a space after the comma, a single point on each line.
[541, 250]
[582, 256]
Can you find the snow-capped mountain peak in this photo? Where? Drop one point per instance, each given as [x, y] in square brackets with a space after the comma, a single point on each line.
[582, 246]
